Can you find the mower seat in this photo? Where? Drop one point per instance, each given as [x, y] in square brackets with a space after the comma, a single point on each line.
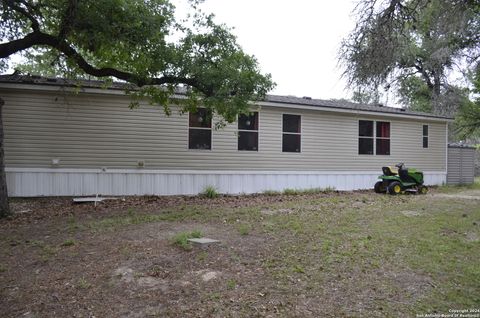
[387, 171]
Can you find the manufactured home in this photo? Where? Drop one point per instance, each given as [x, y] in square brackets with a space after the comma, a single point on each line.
[62, 140]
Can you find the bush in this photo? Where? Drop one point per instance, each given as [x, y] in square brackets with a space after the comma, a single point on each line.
[210, 192]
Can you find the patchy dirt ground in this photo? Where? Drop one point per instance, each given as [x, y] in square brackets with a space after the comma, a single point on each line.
[468, 194]
[31, 209]
[326, 254]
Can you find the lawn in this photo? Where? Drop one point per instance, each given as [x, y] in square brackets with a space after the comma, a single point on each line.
[315, 254]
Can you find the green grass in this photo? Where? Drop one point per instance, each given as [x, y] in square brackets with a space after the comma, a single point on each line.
[308, 191]
[210, 192]
[298, 269]
[231, 284]
[337, 240]
[290, 191]
[181, 239]
[46, 251]
[200, 213]
[202, 256]
[214, 296]
[82, 283]
[68, 242]
[457, 188]
[244, 229]
[72, 225]
[189, 213]
[272, 192]
[131, 211]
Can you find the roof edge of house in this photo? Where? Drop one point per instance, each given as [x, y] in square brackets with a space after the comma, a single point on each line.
[300, 102]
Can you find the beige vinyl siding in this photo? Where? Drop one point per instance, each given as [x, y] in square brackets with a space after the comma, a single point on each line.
[95, 130]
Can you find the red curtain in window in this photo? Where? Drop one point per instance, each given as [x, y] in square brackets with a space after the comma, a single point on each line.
[383, 130]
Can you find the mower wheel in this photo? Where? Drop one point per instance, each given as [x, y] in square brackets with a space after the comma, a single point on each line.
[395, 188]
[380, 187]
[422, 190]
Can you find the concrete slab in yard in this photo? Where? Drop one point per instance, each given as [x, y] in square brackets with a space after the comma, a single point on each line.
[203, 240]
[92, 199]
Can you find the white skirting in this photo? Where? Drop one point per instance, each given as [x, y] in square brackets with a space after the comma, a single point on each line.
[31, 182]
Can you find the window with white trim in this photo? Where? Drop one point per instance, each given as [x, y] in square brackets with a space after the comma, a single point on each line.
[425, 136]
[373, 137]
[291, 136]
[200, 129]
[248, 132]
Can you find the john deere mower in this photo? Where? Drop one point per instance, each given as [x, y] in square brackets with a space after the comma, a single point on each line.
[400, 181]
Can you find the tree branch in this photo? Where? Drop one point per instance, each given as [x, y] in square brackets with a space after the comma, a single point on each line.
[418, 66]
[40, 38]
[14, 46]
[37, 37]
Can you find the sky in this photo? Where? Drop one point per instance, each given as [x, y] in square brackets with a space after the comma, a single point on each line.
[296, 41]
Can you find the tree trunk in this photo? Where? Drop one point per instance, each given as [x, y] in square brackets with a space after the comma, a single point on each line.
[4, 206]
[436, 94]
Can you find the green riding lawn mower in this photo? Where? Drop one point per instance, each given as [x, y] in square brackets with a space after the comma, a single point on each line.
[402, 181]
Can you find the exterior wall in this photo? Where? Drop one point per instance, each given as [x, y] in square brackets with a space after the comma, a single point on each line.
[461, 165]
[24, 182]
[97, 137]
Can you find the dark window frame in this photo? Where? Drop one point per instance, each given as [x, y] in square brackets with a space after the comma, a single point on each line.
[290, 134]
[425, 137]
[249, 131]
[373, 140]
[205, 128]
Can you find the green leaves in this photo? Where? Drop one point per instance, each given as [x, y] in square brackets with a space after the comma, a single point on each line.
[414, 92]
[468, 120]
[141, 42]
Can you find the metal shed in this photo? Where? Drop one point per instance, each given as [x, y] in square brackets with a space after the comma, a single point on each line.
[461, 164]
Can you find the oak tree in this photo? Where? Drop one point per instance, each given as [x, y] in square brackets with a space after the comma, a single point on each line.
[413, 46]
[138, 42]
